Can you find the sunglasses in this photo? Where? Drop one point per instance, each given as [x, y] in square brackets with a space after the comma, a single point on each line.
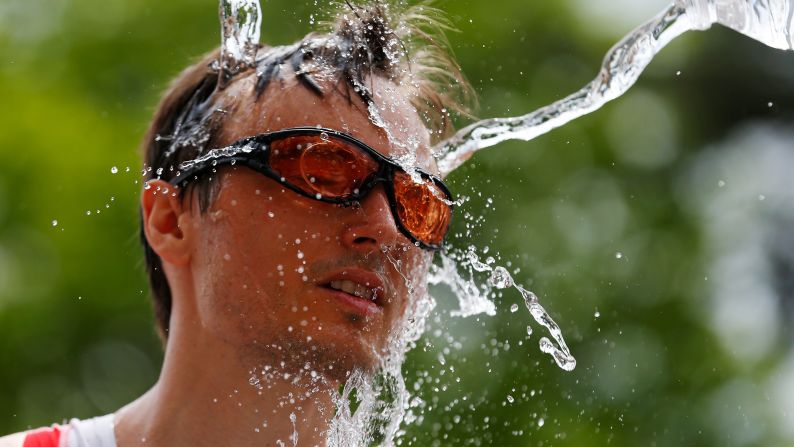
[331, 166]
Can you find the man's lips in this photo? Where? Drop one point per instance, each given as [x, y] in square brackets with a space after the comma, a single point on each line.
[362, 289]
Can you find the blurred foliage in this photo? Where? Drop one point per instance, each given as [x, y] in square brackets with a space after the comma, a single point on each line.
[596, 217]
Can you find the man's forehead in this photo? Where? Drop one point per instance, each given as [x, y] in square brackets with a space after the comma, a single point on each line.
[392, 125]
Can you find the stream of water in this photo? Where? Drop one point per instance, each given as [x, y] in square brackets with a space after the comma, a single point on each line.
[768, 21]
[241, 23]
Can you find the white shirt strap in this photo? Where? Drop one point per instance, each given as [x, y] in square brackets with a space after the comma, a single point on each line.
[96, 432]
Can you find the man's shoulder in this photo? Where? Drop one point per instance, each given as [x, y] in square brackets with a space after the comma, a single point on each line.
[43, 437]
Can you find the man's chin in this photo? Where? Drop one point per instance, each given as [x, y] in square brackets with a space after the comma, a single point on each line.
[331, 360]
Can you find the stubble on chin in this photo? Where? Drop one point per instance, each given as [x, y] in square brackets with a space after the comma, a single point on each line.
[299, 357]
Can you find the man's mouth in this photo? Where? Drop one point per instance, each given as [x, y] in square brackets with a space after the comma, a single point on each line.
[353, 288]
[361, 289]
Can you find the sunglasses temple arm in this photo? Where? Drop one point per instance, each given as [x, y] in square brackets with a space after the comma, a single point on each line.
[199, 168]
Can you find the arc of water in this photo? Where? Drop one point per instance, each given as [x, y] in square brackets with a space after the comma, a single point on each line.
[768, 21]
[241, 22]
[622, 67]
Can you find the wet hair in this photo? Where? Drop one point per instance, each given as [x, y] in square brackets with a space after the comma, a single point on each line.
[406, 46]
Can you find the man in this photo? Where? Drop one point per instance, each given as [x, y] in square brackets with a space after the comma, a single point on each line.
[296, 257]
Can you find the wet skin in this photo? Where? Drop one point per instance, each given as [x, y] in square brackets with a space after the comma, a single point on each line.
[263, 256]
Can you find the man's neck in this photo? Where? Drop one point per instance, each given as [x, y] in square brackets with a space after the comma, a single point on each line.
[206, 396]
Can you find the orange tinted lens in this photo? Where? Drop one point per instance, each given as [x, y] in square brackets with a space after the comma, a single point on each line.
[326, 166]
[422, 209]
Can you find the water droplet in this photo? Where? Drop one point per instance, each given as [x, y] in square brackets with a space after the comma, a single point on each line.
[324, 136]
[597, 314]
[514, 308]
[770, 104]
[476, 264]
[678, 73]
[721, 183]
[761, 197]
[500, 278]
[618, 255]
[529, 331]
[541, 422]
[54, 223]
[114, 170]
[510, 399]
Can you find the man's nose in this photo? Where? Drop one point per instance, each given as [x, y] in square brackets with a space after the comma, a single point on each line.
[371, 225]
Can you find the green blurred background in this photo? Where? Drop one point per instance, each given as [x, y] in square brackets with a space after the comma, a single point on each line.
[657, 231]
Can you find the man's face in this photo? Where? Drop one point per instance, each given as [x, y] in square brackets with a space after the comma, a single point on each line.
[265, 257]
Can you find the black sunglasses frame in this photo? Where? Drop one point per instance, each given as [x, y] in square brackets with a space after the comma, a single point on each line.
[253, 153]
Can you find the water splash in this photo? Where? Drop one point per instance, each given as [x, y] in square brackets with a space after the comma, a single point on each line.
[562, 355]
[371, 407]
[214, 155]
[241, 22]
[294, 436]
[474, 301]
[768, 21]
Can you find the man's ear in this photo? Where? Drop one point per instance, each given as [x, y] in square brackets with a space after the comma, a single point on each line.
[161, 210]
